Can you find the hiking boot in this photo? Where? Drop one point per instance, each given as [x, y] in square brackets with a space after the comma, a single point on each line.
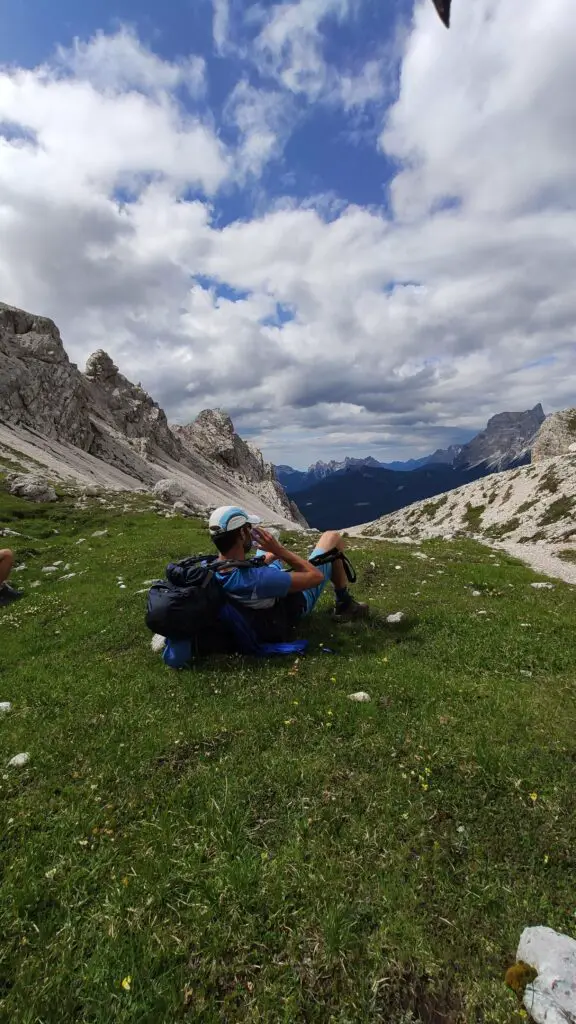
[344, 611]
[8, 595]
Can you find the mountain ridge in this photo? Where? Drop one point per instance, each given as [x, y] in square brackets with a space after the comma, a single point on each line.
[99, 428]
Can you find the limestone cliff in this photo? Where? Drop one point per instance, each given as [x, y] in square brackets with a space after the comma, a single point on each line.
[98, 427]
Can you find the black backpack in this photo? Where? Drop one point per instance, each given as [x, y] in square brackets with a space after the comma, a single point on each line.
[188, 602]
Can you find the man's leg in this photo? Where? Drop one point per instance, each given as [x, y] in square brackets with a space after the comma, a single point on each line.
[7, 593]
[346, 606]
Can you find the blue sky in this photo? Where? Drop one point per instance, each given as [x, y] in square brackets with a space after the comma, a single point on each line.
[344, 224]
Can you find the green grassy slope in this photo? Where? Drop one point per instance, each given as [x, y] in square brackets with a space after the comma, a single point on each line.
[244, 843]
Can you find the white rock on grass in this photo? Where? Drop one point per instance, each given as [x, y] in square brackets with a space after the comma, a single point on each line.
[157, 643]
[5, 707]
[81, 541]
[476, 593]
[20, 568]
[37, 583]
[100, 533]
[50, 568]
[32, 486]
[542, 586]
[361, 697]
[19, 760]
[395, 617]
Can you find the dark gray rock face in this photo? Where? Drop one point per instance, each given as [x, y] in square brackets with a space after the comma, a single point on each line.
[507, 440]
[100, 412]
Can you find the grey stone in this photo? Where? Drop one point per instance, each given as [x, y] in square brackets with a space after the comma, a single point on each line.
[33, 487]
[557, 436]
[19, 760]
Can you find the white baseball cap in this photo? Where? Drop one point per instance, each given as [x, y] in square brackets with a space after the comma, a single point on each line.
[228, 518]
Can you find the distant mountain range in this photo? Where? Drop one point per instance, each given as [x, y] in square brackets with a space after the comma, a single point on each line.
[339, 494]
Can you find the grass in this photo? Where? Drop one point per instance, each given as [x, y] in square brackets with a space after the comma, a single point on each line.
[559, 509]
[431, 507]
[526, 506]
[567, 554]
[244, 843]
[498, 530]
[549, 482]
[473, 516]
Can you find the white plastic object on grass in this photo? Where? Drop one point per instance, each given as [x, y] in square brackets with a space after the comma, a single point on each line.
[551, 997]
[360, 697]
[157, 643]
[19, 760]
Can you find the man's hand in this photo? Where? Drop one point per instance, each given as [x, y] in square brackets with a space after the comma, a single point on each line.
[268, 542]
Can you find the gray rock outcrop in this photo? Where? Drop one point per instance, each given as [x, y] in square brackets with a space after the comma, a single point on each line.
[212, 434]
[103, 431]
[557, 436]
[31, 486]
[506, 441]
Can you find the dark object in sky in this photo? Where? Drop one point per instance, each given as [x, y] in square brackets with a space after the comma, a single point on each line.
[443, 8]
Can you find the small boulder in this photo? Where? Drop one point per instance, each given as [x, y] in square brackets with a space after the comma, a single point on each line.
[360, 697]
[183, 508]
[542, 586]
[395, 618]
[169, 490]
[33, 487]
[19, 760]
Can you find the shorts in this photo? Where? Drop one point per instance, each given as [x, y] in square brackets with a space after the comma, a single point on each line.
[313, 595]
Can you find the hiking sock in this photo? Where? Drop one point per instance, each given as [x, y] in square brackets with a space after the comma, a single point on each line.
[343, 596]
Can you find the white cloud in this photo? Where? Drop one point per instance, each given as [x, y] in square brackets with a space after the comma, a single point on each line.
[263, 119]
[326, 328]
[220, 24]
[290, 45]
[90, 137]
[121, 62]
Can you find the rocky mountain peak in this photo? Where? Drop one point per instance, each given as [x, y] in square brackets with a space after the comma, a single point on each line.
[102, 427]
[506, 440]
[99, 366]
[36, 335]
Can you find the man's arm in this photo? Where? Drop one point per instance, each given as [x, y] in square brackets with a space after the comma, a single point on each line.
[304, 576]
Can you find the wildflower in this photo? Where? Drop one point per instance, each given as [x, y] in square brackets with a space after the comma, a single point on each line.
[533, 797]
[332, 679]
[127, 982]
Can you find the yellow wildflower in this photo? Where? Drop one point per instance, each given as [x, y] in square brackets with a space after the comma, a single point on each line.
[127, 982]
[533, 797]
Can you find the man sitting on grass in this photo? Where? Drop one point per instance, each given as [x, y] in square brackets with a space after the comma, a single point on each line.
[273, 598]
[7, 593]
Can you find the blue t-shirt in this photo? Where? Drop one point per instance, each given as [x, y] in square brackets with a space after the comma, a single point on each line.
[257, 588]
